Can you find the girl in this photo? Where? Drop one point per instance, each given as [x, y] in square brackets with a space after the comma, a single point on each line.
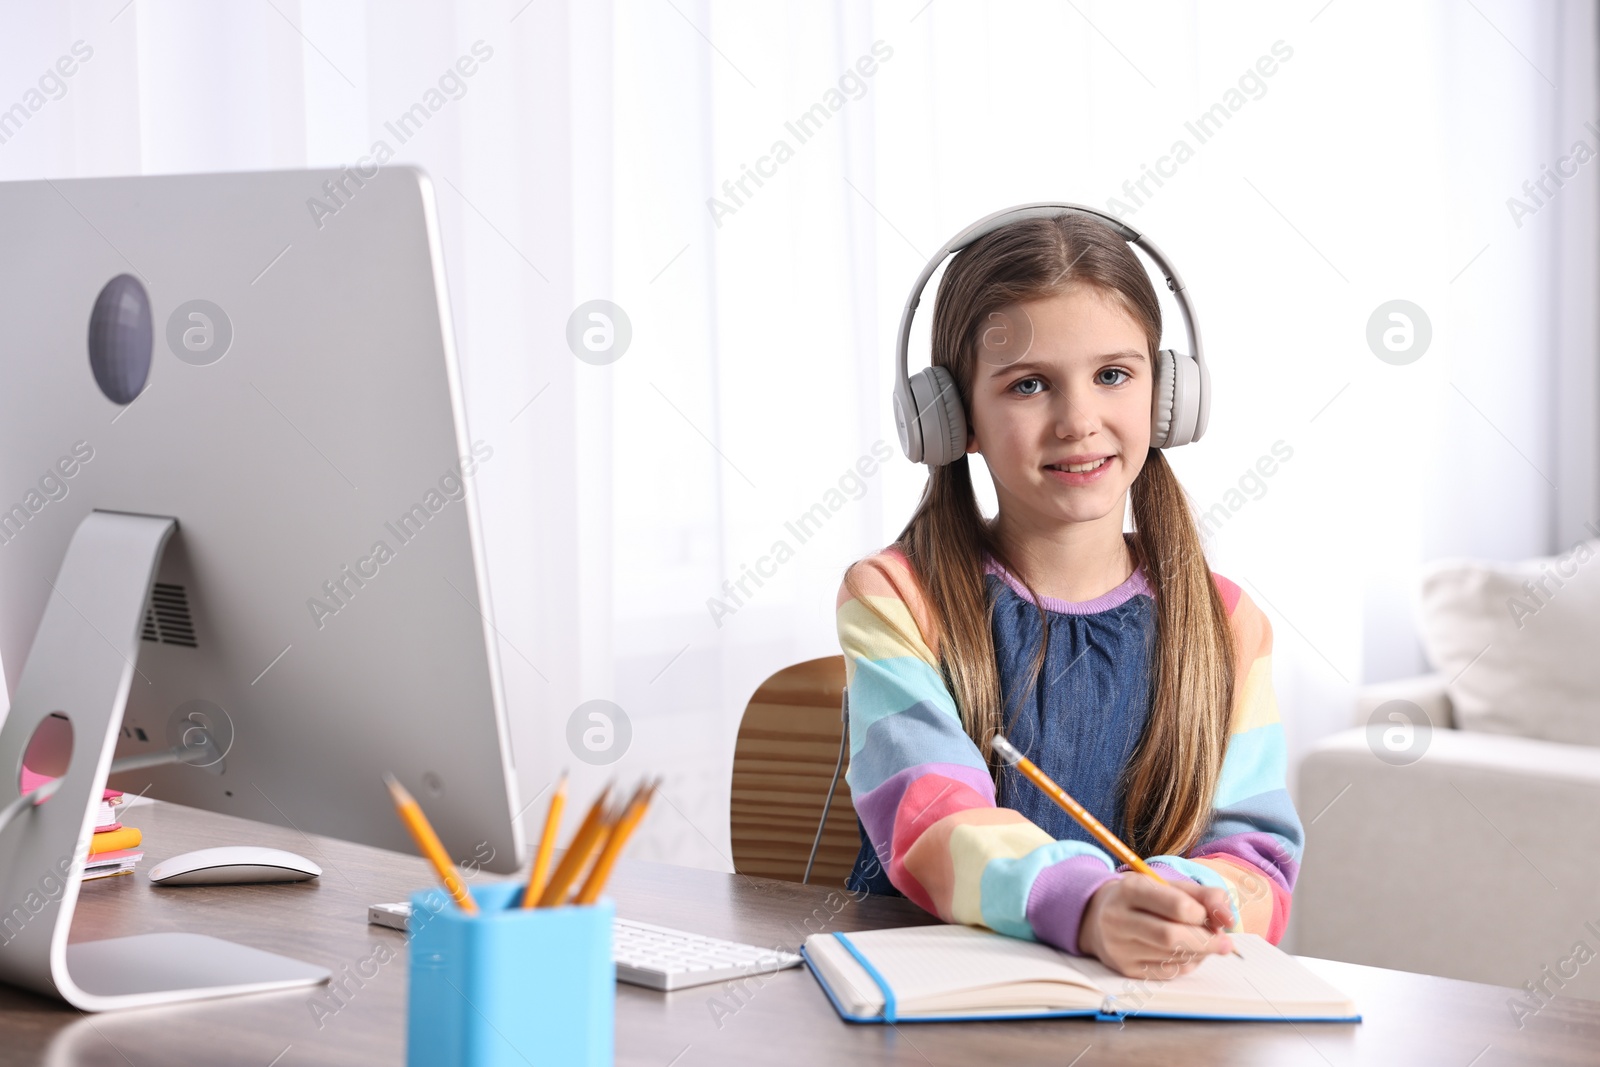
[1118, 663]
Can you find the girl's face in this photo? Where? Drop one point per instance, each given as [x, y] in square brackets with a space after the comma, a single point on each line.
[1061, 404]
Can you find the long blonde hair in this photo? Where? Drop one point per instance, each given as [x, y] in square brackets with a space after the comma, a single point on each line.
[1170, 779]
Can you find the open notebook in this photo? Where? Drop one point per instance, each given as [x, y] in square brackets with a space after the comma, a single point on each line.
[959, 972]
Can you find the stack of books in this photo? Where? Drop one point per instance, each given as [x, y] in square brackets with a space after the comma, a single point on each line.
[114, 848]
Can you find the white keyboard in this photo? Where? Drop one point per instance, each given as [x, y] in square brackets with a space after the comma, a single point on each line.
[656, 957]
[666, 959]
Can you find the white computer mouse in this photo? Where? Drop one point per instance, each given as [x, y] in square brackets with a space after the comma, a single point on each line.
[232, 864]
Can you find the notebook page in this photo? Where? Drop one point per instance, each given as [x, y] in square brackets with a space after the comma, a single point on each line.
[1265, 982]
[923, 962]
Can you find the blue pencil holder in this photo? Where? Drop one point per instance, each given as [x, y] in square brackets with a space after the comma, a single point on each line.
[509, 986]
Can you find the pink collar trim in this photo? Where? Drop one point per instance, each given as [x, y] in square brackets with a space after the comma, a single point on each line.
[1136, 585]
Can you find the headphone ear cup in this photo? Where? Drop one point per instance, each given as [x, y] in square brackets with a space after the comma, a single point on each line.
[1180, 406]
[1161, 407]
[939, 416]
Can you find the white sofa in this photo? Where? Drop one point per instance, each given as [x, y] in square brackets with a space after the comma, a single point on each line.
[1481, 860]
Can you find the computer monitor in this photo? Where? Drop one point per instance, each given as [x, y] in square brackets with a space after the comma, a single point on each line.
[322, 609]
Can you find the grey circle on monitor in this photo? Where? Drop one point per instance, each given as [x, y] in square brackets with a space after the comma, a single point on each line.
[599, 332]
[203, 730]
[199, 332]
[1399, 332]
[598, 732]
[120, 339]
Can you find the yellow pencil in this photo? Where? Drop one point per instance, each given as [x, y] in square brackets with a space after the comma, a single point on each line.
[1096, 828]
[547, 843]
[428, 841]
[601, 872]
[1107, 839]
[578, 853]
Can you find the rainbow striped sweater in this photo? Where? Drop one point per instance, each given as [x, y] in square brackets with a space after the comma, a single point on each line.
[927, 803]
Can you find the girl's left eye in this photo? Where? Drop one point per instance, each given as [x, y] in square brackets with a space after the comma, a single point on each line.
[1112, 370]
[1022, 387]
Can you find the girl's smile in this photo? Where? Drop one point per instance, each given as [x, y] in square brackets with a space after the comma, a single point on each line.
[1080, 470]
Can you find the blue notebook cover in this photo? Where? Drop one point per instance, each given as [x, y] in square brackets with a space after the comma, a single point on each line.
[889, 1014]
[847, 1017]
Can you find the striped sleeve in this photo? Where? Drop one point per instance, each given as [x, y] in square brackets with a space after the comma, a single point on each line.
[922, 790]
[1253, 844]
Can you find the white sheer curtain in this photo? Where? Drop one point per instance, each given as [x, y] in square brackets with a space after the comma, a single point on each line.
[645, 531]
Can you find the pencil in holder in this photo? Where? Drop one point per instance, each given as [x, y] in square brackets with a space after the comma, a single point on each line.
[510, 985]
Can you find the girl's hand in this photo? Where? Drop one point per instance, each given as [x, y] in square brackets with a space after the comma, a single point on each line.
[1143, 928]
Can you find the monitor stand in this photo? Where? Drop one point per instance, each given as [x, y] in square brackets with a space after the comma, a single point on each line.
[81, 666]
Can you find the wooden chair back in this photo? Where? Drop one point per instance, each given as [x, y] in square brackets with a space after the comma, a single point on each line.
[783, 762]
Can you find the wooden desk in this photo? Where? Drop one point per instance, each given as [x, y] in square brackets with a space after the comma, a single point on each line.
[1410, 1019]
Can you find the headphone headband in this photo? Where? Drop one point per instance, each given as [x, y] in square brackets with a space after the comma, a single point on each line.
[989, 224]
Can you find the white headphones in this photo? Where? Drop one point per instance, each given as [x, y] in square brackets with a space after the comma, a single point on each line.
[927, 406]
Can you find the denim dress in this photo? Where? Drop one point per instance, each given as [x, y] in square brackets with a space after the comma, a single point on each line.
[1083, 719]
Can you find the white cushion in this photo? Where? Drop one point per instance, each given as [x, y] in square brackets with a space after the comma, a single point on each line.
[1519, 643]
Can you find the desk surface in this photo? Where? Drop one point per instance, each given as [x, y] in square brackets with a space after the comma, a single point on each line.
[1412, 1019]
